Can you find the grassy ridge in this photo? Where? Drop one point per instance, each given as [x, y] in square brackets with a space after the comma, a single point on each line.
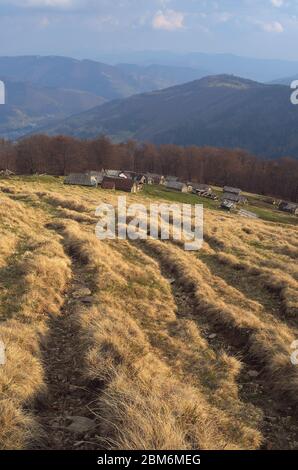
[168, 339]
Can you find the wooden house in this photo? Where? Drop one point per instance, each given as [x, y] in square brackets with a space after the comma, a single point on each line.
[154, 178]
[98, 175]
[121, 184]
[230, 189]
[176, 186]
[140, 179]
[170, 179]
[201, 189]
[234, 195]
[81, 179]
[108, 183]
[227, 205]
[129, 174]
[289, 207]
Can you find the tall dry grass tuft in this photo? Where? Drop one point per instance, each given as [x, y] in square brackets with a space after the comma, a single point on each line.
[73, 202]
[268, 339]
[45, 271]
[263, 250]
[74, 215]
[274, 279]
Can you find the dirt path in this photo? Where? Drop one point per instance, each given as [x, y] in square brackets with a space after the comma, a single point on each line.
[64, 413]
[279, 427]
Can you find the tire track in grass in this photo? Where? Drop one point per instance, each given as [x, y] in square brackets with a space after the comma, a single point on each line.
[177, 340]
[64, 411]
[247, 284]
[121, 355]
[279, 427]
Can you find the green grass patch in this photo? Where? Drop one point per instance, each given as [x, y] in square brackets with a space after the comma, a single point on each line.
[273, 215]
[38, 179]
[11, 288]
[160, 192]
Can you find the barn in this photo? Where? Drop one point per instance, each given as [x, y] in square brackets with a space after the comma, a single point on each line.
[176, 186]
[200, 188]
[98, 175]
[121, 184]
[233, 195]
[230, 189]
[81, 179]
[108, 183]
[227, 205]
[128, 185]
[288, 207]
[140, 179]
[170, 179]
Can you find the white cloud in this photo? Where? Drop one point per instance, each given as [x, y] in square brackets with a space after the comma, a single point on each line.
[272, 27]
[277, 3]
[168, 20]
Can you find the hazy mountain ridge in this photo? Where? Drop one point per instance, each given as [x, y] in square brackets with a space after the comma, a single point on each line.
[263, 70]
[222, 111]
[286, 80]
[29, 106]
[105, 80]
[42, 89]
[62, 95]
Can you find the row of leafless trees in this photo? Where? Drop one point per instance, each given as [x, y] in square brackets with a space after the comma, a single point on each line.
[61, 155]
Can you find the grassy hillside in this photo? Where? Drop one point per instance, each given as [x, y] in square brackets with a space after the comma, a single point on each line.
[256, 204]
[151, 346]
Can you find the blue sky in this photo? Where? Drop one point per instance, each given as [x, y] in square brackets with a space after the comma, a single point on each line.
[86, 28]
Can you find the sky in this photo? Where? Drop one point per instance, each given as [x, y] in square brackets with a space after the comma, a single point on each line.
[88, 28]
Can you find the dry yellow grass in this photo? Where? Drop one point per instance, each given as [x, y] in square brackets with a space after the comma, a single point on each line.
[145, 355]
[269, 340]
[161, 379]
[43, 273]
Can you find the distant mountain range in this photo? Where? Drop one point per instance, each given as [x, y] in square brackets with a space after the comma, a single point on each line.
[222, 111]
[285, 81]
[262, 70]
[30, 106]
[42, 89]
[104, 80]
[86, 98]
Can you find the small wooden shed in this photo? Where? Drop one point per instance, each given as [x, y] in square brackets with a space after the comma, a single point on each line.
[121, 184]
[176, 186]
[98, 175]
[201, 188]
[81, 179]
[108, 183]
[230, 189]
[227, 205]
[290, 207]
